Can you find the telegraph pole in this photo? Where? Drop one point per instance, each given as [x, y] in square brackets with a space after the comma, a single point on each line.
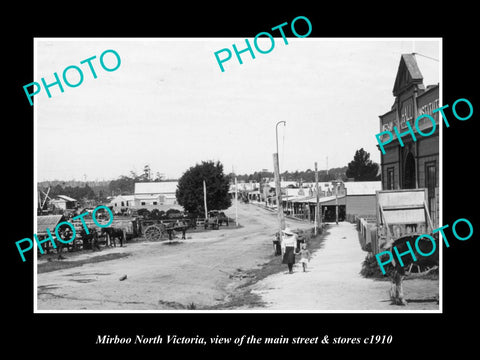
[278, 189]
[236, 202]
[318, 218]
[278, 192]
[205, 198]
[236, 197]
[336, 201]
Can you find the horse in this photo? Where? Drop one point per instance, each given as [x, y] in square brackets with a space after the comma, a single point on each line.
[66, 234]
[113, 233]
[397, 271]
[181, 225]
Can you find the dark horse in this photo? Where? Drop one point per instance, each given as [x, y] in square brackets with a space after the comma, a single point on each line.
[66, 234]
[397, 271]
[113, 233]
[90, 240]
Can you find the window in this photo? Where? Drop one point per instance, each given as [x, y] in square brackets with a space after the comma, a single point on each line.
[430, 184]
[430, 177]
[154, 203]
[123, 204]
[409, 176]
[390, 178]
[142, 203]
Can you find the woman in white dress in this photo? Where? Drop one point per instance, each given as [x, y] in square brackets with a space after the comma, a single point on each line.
[289, 242]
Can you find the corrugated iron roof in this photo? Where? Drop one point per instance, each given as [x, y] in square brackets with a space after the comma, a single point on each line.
[326, 199]
[147, 197]
[363, 187]
[48, 221]
[123, 197]
[156, 187]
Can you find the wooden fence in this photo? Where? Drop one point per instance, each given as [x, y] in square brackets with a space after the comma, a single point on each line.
[367, 231]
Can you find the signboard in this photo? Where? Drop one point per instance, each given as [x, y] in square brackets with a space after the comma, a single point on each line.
[388, 121]
[427, 108]
[406, 113]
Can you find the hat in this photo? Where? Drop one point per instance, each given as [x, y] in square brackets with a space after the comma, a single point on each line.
[287, 231]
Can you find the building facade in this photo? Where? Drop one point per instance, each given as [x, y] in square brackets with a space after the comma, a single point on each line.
[122, 203]
[361, 198]
[416, 164]
[64, 202]
[155, 194]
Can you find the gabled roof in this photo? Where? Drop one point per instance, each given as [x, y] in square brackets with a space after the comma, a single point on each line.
[408, 73]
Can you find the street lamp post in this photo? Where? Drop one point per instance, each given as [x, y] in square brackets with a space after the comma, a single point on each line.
[336, 202]
[276, 131]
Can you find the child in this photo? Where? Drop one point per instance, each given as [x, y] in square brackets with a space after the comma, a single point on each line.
[304, 256]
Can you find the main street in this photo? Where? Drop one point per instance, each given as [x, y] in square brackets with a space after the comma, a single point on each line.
[201, 273]
[163, 276]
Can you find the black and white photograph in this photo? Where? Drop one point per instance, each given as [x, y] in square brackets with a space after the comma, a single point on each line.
[299, 181]
[172, 180]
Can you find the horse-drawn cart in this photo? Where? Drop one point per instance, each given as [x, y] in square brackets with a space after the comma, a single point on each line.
[155, 230]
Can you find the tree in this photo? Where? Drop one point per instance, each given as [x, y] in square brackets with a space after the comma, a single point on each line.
[146, 173]
[362, 168]
[122, 185]
[190, 188]
[159, 177]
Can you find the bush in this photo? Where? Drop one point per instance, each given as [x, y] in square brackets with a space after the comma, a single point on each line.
[370, 268]
[174, 214]
[157, 214]
[143, 213]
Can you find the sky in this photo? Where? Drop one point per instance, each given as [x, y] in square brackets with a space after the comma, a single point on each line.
[170, 106]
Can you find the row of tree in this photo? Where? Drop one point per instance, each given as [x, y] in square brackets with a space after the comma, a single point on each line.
[361, 168]
[304, 176]
[126, 184]
[76, 192]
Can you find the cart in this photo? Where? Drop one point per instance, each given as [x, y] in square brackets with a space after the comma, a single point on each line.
[156, 230]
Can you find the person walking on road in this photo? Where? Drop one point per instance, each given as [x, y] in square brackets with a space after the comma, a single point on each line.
[289, 242]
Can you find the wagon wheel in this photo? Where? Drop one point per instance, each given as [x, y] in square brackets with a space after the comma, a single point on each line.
[153, 233]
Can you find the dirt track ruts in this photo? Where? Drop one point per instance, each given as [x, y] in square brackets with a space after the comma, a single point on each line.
[202, 271]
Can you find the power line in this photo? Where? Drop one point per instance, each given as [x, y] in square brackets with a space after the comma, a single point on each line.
[428, 57]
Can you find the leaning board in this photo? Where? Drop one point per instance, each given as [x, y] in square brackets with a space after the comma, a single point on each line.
[402, 206]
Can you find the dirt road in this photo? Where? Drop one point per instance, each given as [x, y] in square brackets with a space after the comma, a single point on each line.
[200, 273]
[163, 276]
